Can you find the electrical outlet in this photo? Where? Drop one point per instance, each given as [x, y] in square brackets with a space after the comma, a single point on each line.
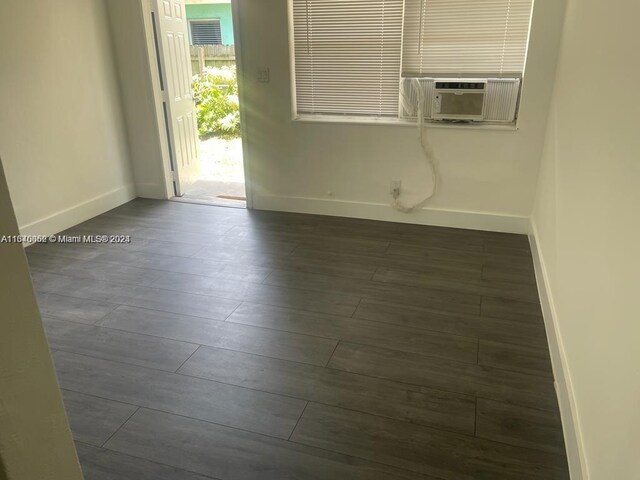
[263, 75]
[396, 185]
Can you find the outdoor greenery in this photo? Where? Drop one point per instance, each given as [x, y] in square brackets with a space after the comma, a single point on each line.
[216, 94]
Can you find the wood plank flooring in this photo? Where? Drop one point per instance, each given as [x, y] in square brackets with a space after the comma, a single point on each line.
[229, 344]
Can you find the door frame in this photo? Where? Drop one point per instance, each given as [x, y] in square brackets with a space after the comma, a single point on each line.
[240, 71]
[163, 136]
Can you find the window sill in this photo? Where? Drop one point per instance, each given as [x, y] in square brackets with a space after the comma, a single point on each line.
[396, 122]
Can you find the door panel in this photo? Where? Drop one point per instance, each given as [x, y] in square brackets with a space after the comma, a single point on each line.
[176, 65]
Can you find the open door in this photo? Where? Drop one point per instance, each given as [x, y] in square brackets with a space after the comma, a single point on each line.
[172, 45]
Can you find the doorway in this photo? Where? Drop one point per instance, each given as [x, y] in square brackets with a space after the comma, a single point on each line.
[197, 65]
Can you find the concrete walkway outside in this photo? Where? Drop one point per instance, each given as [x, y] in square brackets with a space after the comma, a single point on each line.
[222, 174]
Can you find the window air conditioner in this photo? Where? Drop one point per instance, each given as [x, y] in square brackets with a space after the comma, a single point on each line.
[458, 100]
[461, 99]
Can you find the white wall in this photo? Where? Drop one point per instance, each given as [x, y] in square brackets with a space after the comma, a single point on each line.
[293, 165]
[35, 441]
[62, 137]
[586, 224]
[136, 75]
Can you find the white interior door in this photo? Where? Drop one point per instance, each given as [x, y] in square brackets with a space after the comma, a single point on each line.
[179, 106]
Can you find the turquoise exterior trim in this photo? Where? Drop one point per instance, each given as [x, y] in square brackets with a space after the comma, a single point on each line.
[214, 10]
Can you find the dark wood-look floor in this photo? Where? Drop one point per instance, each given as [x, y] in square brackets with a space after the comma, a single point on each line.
[240, 345]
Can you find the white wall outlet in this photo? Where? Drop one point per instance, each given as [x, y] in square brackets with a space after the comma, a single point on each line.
[396, 185]
[262, 75]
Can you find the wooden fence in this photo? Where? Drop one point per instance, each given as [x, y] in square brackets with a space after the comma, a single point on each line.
[211, 56]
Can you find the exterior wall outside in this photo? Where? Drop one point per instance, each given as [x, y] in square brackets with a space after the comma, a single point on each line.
[214, 10]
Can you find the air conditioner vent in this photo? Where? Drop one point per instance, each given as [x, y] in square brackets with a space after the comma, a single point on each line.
[500, 97]
[409, 97]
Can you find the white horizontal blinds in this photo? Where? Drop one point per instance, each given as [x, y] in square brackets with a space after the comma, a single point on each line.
[465, 37]
[347, 56]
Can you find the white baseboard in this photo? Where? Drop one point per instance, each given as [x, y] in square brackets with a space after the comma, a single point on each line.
[376, 211]
[564, 389]
[79, 213]
[151, 190]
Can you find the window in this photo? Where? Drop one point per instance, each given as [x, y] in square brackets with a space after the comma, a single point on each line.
[465, 37]
[347, 56]
[205, 32]
[350, 55]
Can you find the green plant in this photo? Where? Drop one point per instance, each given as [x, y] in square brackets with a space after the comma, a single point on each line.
[216, 95]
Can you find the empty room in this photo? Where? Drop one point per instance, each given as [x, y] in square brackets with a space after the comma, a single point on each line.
[319, 240]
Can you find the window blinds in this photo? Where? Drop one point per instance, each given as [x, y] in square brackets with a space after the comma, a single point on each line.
[347, 56]
[465, 37]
